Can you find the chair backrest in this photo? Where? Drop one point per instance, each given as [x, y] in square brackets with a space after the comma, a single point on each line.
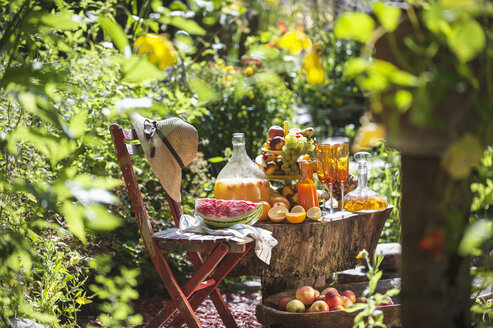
[124, 151]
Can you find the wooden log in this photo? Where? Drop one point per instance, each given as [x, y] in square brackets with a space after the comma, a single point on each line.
[314, 248]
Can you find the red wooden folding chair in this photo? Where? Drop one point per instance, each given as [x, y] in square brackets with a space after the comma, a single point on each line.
[220, 256]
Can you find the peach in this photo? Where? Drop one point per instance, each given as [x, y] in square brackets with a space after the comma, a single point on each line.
[295, 306]
[349, 294]
[305, 294]
[283, 302]
[319, 306]
[346, 302]
[333, 299]
[329, 289]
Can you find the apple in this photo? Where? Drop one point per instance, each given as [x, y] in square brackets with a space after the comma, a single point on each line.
[307, 310]
[275, 131]
[317, 293]
[349, 294]
[346, 302]
[320, 298]
[319, 306]
[329, 289]
[276, 143]
[337, 308]
[295, 306]
[361, 300]
[305, 294]
[283, 302]
[333, 299]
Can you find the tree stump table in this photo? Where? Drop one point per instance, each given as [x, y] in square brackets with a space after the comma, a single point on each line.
[313, 249]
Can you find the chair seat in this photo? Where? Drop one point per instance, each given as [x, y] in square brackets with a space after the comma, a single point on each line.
[184, 241]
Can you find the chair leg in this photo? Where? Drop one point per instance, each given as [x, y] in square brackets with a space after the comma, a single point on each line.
[222, 309]
[200, 275]
[221, 272]
[178, 298]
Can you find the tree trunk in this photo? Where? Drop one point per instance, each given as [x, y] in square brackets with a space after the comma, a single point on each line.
[436, 281]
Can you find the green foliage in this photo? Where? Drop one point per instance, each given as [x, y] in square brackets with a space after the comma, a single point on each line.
[369, 316]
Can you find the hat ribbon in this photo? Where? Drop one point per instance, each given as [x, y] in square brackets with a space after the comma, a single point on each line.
[150, 129]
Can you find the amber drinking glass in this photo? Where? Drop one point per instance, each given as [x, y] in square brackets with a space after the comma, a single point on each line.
[342, 156]
[329, 166]
[320, 171]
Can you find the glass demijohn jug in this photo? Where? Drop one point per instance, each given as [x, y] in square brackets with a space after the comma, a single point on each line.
[241, 178]
[363, 198]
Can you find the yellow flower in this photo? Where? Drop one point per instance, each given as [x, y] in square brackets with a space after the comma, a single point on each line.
[249, 71]
[251, 95]
[368, 136]
[339, 101]
[315, 72]
[295, 41]
[160, 49]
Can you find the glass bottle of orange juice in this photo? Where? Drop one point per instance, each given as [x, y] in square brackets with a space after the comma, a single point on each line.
[307, 190]
[241, 178]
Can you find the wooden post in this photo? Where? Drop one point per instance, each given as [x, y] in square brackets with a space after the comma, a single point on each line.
[435, 281]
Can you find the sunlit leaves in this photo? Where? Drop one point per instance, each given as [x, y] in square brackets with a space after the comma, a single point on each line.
[116, 33]
[474, 237]
[203, 90]
[461, 156]
[186, 25]
[387, 16]
[357, 25]
[467, 40]
[314, 67]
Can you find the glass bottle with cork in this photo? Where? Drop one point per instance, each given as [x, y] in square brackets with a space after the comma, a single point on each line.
[241, 178]
[363, 198]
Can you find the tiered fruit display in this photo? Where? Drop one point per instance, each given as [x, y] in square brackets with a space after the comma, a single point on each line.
[281, 151]
[308, 299]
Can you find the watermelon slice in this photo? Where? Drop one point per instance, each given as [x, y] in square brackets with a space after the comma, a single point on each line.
[219, 213]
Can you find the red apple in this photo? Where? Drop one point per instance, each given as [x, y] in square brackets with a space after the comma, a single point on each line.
[337, 308]
[320, 298]
[319, 306]
[295, 306]
[276, 131]
[349, 294]
[305, 294]
[283, 302]
[361, 300]
[346, 302]
[276, 143]
[329, 289]
[333, 299]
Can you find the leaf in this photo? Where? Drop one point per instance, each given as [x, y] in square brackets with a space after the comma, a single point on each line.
[269, 78]
[78, 124]
[403, 100]
[63, 20]
[358, 26]
[474, 237]
[116, 33]
[83, 301]
[387, 16]
[217, 159]
[138, 69]
[461, 156]
[100, 219]
[355, 307]
[204, 91]
[467, 40]
[186, 25]
[74, 218]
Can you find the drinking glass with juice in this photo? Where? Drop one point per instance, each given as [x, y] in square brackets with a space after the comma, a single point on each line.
[307, 190]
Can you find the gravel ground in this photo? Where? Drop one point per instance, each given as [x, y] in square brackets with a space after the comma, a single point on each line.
[242, 307]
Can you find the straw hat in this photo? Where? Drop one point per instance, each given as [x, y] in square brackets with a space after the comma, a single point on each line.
[169, 145]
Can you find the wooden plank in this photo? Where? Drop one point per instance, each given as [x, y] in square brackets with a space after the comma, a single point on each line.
[196, 246]
[135, 149]
[129, 135]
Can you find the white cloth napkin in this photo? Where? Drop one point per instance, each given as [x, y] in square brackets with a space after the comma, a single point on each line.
[242, 233]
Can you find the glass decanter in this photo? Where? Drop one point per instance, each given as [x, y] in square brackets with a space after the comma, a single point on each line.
[241, 178]
[363, 198]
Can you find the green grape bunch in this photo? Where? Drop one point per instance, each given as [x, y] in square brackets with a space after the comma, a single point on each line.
[296, 144]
